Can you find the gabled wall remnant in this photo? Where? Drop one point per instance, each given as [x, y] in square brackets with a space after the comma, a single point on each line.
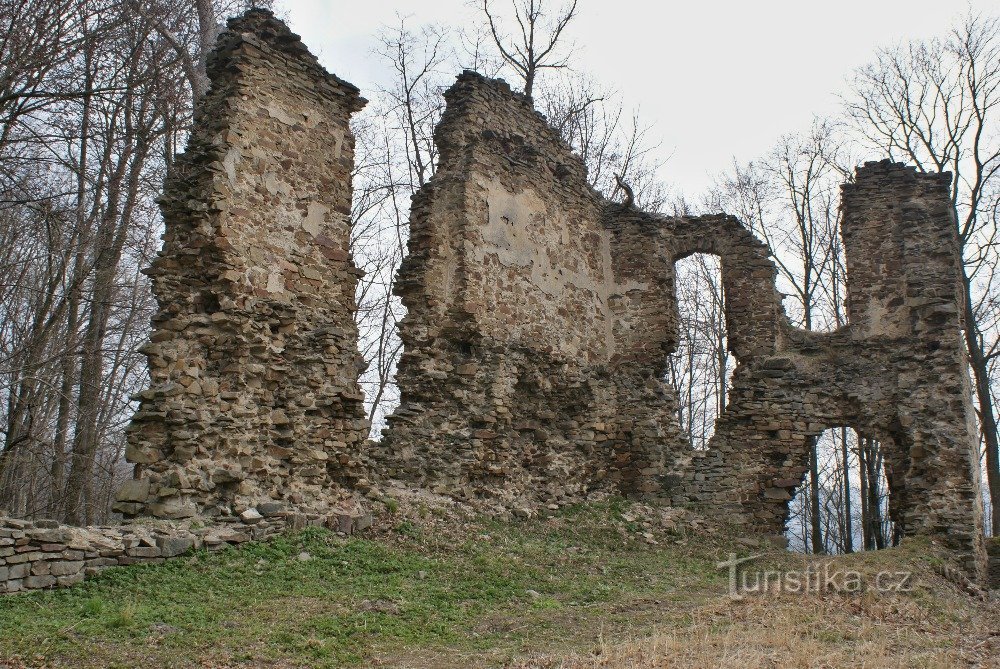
[536, 337]
[253, 357]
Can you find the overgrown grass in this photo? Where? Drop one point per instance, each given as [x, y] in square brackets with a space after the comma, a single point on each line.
[323, 601]
[422, 588]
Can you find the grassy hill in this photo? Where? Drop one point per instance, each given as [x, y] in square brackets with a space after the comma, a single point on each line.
[603, 585]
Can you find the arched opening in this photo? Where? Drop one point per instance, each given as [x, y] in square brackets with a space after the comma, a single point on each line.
[701, 368]
[842, 505]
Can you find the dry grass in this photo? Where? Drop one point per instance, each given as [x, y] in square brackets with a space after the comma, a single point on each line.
[809, 632]
[602, 586]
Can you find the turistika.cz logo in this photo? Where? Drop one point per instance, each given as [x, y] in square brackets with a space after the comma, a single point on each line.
[818, 578]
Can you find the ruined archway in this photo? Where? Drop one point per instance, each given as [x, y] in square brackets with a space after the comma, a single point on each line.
[842, 504]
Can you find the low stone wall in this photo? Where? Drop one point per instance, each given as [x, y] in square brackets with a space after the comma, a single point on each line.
[44, 554]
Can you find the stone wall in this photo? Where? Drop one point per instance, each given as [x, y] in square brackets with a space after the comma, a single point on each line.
[538, 323]
[44, 554]
[540, 319]
[896, 373]
[541, 316]
[253, 357]
[993, 551]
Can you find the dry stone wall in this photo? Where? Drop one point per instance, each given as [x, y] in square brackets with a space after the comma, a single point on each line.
[253, 357]
[42, 554]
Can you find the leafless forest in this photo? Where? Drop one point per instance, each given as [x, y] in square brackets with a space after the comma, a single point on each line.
[96, 97]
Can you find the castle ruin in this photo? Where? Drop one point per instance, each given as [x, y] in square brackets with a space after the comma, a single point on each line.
[540, 319]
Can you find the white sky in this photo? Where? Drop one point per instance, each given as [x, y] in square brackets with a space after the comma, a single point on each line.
[716, 79]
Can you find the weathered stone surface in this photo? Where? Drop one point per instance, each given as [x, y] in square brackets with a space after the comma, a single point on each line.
[251, 516]
[538, 321]
[37, 582]
[993, 551]
[70, 579]
[172, 546]
[253, 356]
[540, 317]
[270, 509]
[66, 568]
[136, 490]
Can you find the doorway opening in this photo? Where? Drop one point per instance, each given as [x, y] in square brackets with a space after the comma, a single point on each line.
[842, 505]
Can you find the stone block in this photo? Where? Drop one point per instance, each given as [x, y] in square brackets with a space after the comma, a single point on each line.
[70, 579]
[19, 571]
[134, 490]
[144, 552]
[175, 545]
[66, 568]
[38, 582]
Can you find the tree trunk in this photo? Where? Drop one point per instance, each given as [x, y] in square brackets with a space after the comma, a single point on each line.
[208, 33]
[109, 241]
[845, 457]
[987, 419]
[866, 538]
[872, 464]
[815, 520]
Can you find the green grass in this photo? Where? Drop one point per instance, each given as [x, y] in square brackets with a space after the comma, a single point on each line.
[421, 582]
[426, 588]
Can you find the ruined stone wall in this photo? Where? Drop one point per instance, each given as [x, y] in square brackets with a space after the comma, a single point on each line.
[253, 357]
[530, 370]
[541, 317]
[993, 570]
[43, 554]
[896, 373]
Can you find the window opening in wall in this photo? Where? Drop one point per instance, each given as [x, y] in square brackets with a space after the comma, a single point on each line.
[701, 367]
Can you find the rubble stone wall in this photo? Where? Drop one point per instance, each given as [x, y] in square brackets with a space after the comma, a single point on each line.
[993, 550]
[253, 357]
[896, 373]
[541, 317]
[540, 321]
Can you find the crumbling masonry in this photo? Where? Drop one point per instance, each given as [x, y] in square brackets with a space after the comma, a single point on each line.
[253, 358]
[538, 322]
[540, 318]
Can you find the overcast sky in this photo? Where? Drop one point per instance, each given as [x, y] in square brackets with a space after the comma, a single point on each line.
[715, 79]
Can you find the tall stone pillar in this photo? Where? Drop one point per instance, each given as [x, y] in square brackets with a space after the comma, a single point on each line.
[904, 286]
[253, 356]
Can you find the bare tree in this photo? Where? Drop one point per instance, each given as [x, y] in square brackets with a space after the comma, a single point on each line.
[91, 111]
[790, 200]
[535, 44]
[701, 366]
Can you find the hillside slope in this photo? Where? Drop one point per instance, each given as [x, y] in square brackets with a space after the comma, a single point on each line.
[608, 585]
